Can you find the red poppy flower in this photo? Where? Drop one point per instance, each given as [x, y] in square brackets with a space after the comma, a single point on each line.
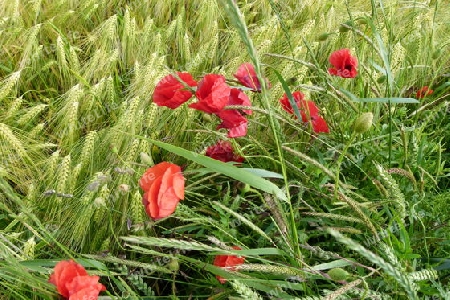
[85, 287]
[223, 151]
[246, 75]
[212, 94]
[163, 186]
[319, 125]
[238, 97]
[172, 93]
[423, 92]
[73, 282]
[302, 105]
[234, 121]
[308, 111]
[229, 262]
[64, 273]
[344, 64]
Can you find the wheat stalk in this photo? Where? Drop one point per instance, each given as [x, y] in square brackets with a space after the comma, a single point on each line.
[244, 290]
[399, 276]
[62, 181]
[394, 192]
[36, 132]
[31, 114]
[245, 221]
[7, 84]
[10, 138]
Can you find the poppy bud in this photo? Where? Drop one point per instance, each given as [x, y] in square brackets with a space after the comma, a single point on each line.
[207, 118]
[344, 26]
[338, 274]
[323, 37]
[173, 265]
[363, 123]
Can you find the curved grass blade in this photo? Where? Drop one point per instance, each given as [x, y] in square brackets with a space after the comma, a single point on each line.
[226, 169]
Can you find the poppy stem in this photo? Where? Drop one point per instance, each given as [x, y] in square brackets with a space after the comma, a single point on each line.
[390, 133]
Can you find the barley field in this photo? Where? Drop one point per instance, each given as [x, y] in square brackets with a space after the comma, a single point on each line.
[335, 114]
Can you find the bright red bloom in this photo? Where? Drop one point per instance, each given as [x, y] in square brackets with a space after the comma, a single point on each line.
[308, 111]
[319, 124]
[302, 105]
[234, 121]
[246, 75]
[85, 287]
[223, 151]
[63, 274]
[73, 282]
[238, 97]
[344, 64]
[423, 92]
[163, 186]
[229, 262]
[172, 93]
[212, 94]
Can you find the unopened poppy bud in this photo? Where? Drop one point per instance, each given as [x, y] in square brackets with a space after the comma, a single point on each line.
[338, 274]
[344, 27]
[323, 37]
[363, 123]
[173, 265]
[206, 117]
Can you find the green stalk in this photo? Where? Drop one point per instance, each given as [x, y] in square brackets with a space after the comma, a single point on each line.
[339, 162]
[238, 21]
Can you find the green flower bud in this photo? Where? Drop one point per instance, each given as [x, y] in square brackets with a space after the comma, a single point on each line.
[363, 123]
[323, 37]
[206, 118]
[173, 265]
[338, 274]
[343, 27]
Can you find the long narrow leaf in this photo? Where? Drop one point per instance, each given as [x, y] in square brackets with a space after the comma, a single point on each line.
[225, 169]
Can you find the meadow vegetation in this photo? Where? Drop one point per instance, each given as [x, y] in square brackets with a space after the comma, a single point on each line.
[355, 215]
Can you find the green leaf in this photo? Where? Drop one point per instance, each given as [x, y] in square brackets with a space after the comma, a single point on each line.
[263, 173]
[217, 166]
[334, 264]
